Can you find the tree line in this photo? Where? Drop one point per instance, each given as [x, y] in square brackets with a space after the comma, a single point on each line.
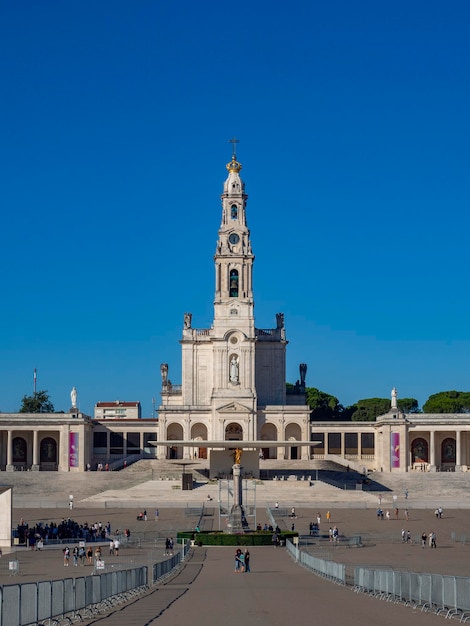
[326, 408]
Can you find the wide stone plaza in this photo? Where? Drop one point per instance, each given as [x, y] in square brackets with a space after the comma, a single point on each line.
[277, 589]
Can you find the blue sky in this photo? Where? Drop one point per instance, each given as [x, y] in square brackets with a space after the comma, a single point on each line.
[353, 120]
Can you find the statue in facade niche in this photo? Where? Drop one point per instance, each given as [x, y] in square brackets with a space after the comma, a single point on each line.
[187, 320]
[234, 369]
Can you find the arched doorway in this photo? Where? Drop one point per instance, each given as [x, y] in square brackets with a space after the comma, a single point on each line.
[419, 453]
[174, 433]
[48, 454]
[233, 432]
[268, 433]
[199, 433]
[293, 433]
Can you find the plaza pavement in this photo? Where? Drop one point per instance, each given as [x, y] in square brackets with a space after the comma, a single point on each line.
[207, 591]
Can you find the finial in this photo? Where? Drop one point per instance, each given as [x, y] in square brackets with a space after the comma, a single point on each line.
[234, 142]
[234, 165]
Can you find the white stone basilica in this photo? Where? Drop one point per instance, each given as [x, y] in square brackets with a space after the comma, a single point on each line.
[233, 374]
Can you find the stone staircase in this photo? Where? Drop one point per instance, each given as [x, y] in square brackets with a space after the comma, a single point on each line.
[151, 482]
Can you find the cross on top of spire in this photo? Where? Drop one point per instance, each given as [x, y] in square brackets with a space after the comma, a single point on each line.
[234, 142]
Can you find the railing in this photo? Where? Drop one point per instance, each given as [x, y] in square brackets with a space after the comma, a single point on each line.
[78, 598]
[440, 594]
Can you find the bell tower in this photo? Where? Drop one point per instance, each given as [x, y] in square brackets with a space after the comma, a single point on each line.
[233, 303]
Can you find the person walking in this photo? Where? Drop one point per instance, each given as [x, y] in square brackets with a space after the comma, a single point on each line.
[66, 552]
[423, 540]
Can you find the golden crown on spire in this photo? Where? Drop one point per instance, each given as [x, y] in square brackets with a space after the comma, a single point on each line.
[234, 165]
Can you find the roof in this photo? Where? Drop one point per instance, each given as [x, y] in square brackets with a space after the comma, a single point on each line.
[115, 404]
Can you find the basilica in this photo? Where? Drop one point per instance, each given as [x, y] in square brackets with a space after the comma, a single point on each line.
[232, 399]
[233, 385]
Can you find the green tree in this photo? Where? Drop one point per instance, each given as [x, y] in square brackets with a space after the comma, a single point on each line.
[408, 405]
[448, 402]
[370, 408]
[325, 407]
[39, 402]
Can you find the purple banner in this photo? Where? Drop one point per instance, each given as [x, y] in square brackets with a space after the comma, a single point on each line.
[73, 449]
[394, 450]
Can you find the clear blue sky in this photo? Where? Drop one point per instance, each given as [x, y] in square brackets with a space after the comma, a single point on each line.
[353, 120]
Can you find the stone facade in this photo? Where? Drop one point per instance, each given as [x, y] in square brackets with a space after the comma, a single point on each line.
[233, 374]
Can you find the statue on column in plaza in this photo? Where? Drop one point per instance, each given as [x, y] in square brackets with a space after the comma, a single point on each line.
[394, 398]
[237, 457]
[73, 397]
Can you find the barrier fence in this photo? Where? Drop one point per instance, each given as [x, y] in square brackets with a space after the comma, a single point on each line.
[77, 598]
[437, 593]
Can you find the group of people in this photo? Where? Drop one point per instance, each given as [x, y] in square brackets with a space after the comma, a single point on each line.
[431, 538]
[242, 561]
[46, 533]
[80, 554]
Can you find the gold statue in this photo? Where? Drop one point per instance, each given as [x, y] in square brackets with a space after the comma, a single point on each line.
[238, 456]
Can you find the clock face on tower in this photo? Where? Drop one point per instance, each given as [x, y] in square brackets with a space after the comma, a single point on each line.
[234, 238]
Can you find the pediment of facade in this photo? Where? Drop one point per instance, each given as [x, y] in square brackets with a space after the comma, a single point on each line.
[233, 407]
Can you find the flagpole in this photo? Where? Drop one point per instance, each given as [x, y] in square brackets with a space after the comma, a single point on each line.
[35, 377]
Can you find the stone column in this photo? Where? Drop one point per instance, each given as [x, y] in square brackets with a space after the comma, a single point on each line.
[236, 513]
[458, 451]
[9, 466]
[35, 466]
[432, 451]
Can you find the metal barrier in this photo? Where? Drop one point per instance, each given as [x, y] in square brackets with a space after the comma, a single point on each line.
[440, 594]
[336, 572]
[81, 597]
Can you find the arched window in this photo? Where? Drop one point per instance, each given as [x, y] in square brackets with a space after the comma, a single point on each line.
[48, 451]
[234, 212]
[19, 450]
[233, 290]
[448, 450]
[419, 451]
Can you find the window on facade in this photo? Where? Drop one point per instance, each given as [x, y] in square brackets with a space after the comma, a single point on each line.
[149, 437]
[367, 443]
[350, 443]
[334, 443]
[133, 441]
[116, 443]
[233, 284]
[234, 212]
[100, 440]
[320, 448]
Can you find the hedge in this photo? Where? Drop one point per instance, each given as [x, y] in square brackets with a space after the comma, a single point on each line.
[210, 538]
